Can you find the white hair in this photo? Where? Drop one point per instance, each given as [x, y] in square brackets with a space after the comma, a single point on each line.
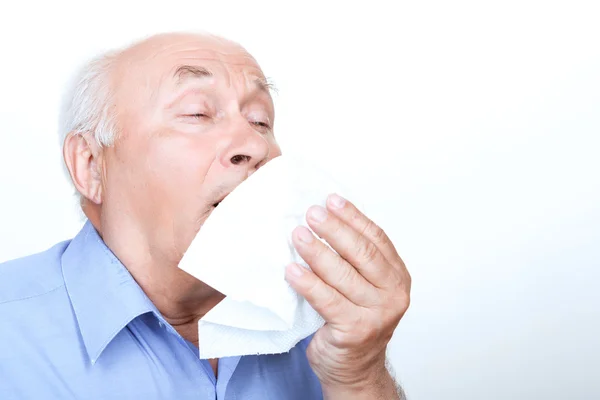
[88, 104]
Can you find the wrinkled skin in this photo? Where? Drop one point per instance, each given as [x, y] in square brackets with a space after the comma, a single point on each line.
[195, 119]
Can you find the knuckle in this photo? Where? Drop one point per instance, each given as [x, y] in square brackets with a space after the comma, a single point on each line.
[346, 274]
[313, 289]
[407, 301]
[369, 251]
[366, 227]
[377, 234]
[403, 284]
[327, 300]
[401, 280]
[408, 280]
[401, 303]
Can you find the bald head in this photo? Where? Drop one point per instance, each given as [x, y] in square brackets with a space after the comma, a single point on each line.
[180, 121]
[143, 70]
[163, 41]
[88, 104]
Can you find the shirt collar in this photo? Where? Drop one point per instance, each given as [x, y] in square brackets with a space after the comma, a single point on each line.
[104, 295]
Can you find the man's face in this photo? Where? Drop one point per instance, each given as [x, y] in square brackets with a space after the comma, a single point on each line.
[195, 119]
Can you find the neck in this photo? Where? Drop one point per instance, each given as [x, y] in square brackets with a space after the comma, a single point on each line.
[181, 299]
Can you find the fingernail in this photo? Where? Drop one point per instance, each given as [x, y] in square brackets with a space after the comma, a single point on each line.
[318, 214]
[336, 201]
[305, 235]
[295, 270]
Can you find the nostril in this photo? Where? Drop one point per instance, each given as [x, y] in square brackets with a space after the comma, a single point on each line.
[239, 158]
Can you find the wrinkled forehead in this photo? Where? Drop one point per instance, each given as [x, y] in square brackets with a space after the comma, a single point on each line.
[164, 63]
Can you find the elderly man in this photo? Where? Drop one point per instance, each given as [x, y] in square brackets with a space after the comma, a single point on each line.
[154, 136]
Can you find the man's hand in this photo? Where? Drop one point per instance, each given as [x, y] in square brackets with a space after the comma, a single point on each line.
[362, 293]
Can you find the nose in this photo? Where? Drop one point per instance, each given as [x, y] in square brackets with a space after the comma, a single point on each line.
[246, 150]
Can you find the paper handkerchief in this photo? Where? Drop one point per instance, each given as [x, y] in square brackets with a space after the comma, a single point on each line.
[242, 251]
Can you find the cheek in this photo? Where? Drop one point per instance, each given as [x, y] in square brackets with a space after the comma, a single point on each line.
[178, 165]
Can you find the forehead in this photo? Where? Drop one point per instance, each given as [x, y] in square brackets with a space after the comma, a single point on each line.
[161, 59]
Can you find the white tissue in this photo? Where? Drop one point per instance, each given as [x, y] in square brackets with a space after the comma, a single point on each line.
[242, 251]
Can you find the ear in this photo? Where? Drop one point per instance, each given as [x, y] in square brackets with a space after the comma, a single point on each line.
[83, 157]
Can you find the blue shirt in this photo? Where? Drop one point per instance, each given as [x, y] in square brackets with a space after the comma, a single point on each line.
[74, 324]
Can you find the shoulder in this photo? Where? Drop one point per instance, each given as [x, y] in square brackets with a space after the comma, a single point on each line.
[31, 276]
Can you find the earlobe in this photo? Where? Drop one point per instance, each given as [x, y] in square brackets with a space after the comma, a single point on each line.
[83, 159]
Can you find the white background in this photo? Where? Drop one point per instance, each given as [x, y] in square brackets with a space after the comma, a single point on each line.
[470, 129]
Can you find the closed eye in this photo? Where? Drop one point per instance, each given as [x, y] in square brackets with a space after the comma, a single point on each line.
[197, 116]
[261, 124]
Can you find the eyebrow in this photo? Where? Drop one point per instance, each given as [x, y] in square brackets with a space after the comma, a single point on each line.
[185, 71]
[265, 85]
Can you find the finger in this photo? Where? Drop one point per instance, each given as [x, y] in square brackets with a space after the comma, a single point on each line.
[325, 300]
[355, 248]
[352, 216]
[333, 269]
